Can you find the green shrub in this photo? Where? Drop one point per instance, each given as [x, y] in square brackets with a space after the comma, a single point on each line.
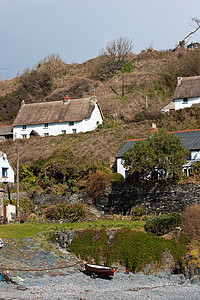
[163, 224]
[138, 211]
[117, 178]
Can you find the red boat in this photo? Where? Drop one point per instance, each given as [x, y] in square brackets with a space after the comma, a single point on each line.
[96, 269]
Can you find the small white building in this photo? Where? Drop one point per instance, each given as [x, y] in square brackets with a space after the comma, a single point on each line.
[57, 117]
[6, 171]
[187, 94]
[189, 138]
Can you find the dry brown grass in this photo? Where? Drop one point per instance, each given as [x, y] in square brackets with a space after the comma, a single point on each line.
[145, 79]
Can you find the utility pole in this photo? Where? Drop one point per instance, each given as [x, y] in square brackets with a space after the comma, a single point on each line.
[122, 75]
[17, 181]
[146, 103]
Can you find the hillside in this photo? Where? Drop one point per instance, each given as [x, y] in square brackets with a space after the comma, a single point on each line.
[150, 74]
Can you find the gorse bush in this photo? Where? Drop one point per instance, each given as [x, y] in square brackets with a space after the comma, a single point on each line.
[163, 224]
[133, 249]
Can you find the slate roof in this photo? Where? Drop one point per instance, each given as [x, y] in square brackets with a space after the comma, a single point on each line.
[54, 112]
[5, 129]
[169, 106]
[188, 87]
[189, 138]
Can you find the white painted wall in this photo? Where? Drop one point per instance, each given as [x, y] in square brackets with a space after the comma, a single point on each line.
[56, 128]
[179, 104]
[120, 167]
[4, 164]
[10, 213]
[195, 155]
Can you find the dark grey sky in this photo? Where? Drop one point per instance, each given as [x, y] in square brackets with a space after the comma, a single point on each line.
[77, 30]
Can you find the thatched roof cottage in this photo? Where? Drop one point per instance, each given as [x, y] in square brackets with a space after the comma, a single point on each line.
[187, 94]
[57, 117]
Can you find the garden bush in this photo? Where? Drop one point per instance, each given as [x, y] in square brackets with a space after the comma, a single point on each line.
[117, 178]
[163, 224]
[191, 221]
[97, 183]
[70, 212]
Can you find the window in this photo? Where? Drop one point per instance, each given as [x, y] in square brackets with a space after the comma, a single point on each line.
[24, 136]
[71, 123]
[185, 100]
[46, 125]
[46, 134]
[23, 127]
[74, 130]
[63, 131]
[4, 172]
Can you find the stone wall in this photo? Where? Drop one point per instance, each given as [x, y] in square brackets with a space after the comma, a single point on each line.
[54, 199]
[155, 198]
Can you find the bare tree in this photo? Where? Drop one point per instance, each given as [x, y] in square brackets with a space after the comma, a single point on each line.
[195, 27]
[118, 49]
[112, 59]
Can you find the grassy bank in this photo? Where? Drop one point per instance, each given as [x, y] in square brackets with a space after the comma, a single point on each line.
[26, 230]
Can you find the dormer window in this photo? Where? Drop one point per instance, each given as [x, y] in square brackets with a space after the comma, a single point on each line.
[185, 100]
[46, 125]
[23, 127]
[71, 123]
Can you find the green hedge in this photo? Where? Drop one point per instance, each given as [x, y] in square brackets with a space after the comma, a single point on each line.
[163, 224]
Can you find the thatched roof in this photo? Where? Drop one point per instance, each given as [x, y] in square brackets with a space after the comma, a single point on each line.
[188, 87]
[54, 112]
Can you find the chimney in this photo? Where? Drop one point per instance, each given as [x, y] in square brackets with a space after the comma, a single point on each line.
[66, 99]
[179, 79]
[154, 129]
[94, 98]
[22, 103]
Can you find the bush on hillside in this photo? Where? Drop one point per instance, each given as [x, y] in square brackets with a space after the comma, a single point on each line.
[191, 221]
[117, 178]
[163, 224]
[70, 212]
[97, 183]
[37, 84]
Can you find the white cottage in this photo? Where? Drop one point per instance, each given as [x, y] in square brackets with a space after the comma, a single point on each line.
[187, 94]
[57, 117]
[6, 171]
[189, 138]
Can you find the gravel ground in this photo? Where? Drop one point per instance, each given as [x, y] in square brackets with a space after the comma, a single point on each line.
[122, 286]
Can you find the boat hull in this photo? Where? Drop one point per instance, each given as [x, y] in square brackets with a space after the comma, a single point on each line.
[109, 271]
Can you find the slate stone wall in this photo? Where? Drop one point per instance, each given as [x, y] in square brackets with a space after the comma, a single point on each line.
[155, 198]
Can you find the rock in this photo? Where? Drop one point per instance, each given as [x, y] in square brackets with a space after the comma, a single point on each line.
[165, 268]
